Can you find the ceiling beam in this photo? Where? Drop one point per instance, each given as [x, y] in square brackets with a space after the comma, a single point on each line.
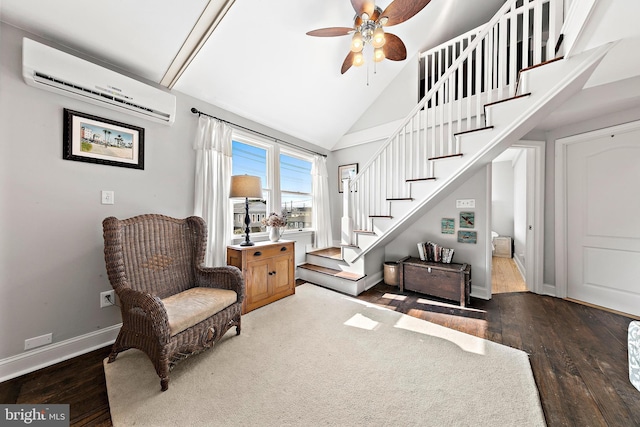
[206, 24]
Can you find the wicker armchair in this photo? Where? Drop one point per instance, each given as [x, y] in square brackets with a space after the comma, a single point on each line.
[172, 306]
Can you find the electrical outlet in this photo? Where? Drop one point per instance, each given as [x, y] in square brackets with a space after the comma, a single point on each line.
[107, 298]
[37, 341]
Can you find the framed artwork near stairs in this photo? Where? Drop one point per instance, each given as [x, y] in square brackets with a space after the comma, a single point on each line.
[346, 171]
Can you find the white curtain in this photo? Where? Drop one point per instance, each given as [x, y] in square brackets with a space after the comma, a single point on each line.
[213, 177]
[321, 214]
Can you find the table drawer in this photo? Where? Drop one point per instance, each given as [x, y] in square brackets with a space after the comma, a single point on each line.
[268, 252]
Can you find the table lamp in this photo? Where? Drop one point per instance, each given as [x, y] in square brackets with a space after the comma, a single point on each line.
[246, 186]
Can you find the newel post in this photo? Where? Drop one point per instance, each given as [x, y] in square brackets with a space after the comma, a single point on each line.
[347, 221]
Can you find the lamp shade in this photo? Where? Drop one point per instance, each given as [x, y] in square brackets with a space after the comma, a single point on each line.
[245, 186]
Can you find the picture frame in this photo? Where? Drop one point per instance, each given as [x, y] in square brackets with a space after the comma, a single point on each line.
[467, 236]
[346, 171]
[93, 139]
[467, 220]
[447, 225]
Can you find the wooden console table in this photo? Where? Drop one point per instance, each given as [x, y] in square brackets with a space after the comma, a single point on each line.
[448, 281]
[268, 270]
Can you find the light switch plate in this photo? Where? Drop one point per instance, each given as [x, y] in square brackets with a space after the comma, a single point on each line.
[107, 197]
[465, 203]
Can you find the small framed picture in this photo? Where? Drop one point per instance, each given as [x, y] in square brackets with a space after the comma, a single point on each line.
[467, 236]
[93, 139]
[448, 225]
[467, 220]
[346, 171]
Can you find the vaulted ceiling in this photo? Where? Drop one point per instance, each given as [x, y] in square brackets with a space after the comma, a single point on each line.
[258, 62]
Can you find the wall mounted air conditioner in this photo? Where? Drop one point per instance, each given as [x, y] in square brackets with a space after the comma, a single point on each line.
[56, 71]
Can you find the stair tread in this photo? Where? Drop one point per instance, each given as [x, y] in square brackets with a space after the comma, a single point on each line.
[364, 232]
[333, 272]
[400, 199]
[333, 253]
[473, 130]
[535, 66]
[445, 157]
[431, 178]
[507, 99]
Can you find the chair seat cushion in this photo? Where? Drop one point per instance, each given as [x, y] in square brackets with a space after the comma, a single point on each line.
[195, 305]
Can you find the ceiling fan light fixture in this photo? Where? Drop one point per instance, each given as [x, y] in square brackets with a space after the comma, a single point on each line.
[378, 38]
[358, 59]
[378, 54]
[357, 43]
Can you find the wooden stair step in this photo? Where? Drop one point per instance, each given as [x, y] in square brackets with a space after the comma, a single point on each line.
[445, 157]
[332, 253]
[535, 66]
[473, 130]
[401, 199]
[380, 216]
[373, 233]
[507, 99]
[349, 246]
[332, 272]
[431, 178]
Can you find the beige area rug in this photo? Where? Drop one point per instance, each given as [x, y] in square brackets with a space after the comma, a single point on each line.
[322, 358]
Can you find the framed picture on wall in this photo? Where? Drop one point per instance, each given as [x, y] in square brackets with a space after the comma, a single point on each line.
[467, 220]
[346, 171]
[447, 225]
[467, 236]
[93, 139]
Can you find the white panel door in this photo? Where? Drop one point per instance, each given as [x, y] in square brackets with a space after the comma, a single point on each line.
[603, 221]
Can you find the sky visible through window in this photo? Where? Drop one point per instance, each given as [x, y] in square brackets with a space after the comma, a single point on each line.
[295, 174]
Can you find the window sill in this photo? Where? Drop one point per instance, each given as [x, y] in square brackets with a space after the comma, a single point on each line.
[264, 236]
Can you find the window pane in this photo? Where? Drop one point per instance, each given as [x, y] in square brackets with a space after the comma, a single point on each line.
[249, 160]
[298, 210]
[296, 187]
[295, 174]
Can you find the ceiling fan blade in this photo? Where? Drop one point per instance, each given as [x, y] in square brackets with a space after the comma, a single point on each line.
[401, 10]
[361, 6]
[348, 62]
[330, 32]
[394, 49]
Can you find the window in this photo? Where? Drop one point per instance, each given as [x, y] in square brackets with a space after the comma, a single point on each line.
[249, 159]
[286, 182]
[295, 190]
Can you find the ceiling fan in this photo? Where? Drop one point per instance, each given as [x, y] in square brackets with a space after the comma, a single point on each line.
[368, 29]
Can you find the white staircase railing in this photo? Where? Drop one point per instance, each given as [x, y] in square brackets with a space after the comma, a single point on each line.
[461, 76]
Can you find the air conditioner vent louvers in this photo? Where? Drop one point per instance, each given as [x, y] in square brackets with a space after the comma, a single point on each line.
[40, 77]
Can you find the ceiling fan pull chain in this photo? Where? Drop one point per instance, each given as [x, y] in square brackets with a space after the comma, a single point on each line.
[367, 74]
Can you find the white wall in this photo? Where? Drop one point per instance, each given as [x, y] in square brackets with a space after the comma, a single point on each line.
[396, 101]
[51, 260]
[428, 228]
[502, 198]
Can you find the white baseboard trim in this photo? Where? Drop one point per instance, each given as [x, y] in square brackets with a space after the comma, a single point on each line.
[548, 289]
[481, 293]
[15, 366]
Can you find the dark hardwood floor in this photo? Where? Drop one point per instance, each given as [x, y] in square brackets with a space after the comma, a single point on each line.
[578, 355]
